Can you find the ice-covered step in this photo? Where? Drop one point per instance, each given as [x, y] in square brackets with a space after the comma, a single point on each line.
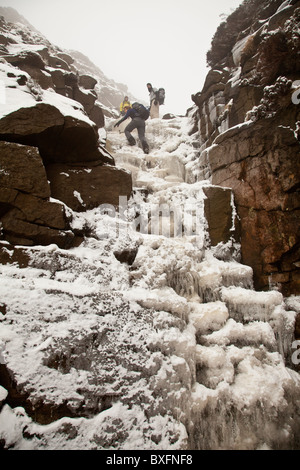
[213, 326]
[208, 317]
[173, 179]
[152, 183]
[209, 278]
[129, 160]
[245, 305]
[252, 334]
[247, 394]
[219, 352]
[213, 366]
[159, 172]
[216, 272]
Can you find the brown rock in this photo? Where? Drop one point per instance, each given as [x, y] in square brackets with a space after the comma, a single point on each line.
[263, 169]
[22, 170]
[60, 138]
[26, 58]
[40, 76]
[218, 213]
[87, 82]
[245, 99]
[96, 115]
[27, 215]
[65, 57]
[18, 231]
[41, 212]
[297, 327]
[58, 77]
[64, 82]
[85, 97]
[10, 254]
[88, 186]
[58, 62]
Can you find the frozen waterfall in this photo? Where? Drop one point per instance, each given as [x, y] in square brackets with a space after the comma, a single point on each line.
[243, 395]
[145, 336]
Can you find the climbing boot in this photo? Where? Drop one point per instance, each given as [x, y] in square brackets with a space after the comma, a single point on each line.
[146, 148]
[131, 141]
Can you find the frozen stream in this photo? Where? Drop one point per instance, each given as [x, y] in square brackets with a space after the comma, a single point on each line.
[172, 349]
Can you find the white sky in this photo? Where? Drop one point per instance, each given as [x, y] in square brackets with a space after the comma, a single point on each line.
[163, 42]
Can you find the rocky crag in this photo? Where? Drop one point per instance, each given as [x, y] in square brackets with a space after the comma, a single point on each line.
[138, 328]
[247, 122]
[51, 138]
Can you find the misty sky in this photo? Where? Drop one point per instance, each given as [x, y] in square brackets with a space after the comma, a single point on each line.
[133, 41]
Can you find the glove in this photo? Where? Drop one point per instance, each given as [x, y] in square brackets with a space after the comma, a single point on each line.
[116, 125]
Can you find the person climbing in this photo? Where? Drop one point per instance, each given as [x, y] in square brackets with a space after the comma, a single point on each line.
[124, 106]
[154, 103]
[138, 114]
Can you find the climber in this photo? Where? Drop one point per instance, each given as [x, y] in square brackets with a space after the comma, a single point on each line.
[139, 114]
[124, 106]
[154, 103]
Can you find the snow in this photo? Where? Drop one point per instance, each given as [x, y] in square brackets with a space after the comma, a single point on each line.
[176, 335]
[209, 317]
[15, 96]
[3, 393]
[175, 350]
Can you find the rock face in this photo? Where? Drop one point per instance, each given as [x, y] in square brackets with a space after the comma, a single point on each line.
[247, 119]
[264, 178]
[69, 73]
[59, 138]
[51, 69]
[27, 215]
[84, 187]
[45, 134]
[219, 214]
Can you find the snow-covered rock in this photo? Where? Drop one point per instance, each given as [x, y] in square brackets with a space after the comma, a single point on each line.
[145, 335]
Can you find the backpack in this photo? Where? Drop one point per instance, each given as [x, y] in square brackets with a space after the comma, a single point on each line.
[141, 111]
[161, 95]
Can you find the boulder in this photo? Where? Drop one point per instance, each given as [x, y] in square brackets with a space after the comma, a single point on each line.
[97, 116]
[85, 97]
[218, 210]
[22, 170]
[87, 82]
[19, 231]
[65, 57]
[63, 80]
[10, 254]
[27, 215]
[83, 187]
[40, 211]
[263, 170]
[25, 59]
[42, 77]
[58, 63]
[4, 40]
[58, 78]
[65, 135]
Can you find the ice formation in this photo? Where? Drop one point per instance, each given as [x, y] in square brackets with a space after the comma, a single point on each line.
[174, 351]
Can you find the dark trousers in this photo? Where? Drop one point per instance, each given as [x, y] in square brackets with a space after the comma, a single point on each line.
[139, 124]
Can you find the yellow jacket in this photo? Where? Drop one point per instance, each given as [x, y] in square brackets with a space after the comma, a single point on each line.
[123, 105]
